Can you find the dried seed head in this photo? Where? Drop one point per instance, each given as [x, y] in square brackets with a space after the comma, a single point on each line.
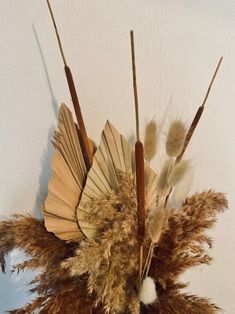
[150, 140]
[148, 294]
[178, 172]
[157, 222]
[175, 138]
[162, 183]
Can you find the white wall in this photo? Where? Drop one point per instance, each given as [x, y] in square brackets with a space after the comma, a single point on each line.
[178, 44]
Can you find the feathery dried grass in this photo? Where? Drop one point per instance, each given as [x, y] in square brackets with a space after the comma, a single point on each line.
[163, 183]
[182, 244]
[111, 262]
[175, 138]
[156, 223]
[109, 266]
[56, 289]
[178, 172]
[174, 302]
[150, 140]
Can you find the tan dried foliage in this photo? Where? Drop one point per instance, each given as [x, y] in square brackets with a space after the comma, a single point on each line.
[175, 138]
[156, 223]
[111, 262]
[108, 267]
[173, 302]
[183, 244]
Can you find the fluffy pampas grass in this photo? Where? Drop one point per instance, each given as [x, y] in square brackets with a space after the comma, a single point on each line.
[108, 267]
[111, 261]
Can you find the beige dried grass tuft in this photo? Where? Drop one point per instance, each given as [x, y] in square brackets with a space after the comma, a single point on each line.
[175, 138]
[111, 272]
[157, 222]
[178, 172]
[150, 140]
[163, 184]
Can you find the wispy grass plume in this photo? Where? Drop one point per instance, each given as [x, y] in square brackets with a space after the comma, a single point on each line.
[163, 182]
[150, 140]
[175, 138]
[156, 223]
[178, 172]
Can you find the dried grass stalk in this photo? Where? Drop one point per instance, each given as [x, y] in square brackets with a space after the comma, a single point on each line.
[175, 138]
[150, 140]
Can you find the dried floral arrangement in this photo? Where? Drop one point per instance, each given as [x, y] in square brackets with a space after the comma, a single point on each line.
[109, 242]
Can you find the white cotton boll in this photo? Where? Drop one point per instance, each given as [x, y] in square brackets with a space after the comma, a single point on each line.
[148, 292]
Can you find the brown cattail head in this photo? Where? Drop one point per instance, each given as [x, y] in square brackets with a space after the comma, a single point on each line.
[150, 140]
[175, 138]
[178, 172]
[157, 223]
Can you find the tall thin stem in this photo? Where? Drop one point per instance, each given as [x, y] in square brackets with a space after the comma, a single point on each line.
[139, 157]
[199, 113]
[85, 143]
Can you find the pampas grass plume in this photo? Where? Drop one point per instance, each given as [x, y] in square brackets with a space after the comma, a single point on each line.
[150, 140]
[178, 172]
[175, 138]
[162, 183]
[156, 223]
[148, 294]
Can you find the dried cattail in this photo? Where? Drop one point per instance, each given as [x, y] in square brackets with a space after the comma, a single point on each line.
[162, 183]
[156, 223]
[175, 138]
[150, 140]
[178, 172]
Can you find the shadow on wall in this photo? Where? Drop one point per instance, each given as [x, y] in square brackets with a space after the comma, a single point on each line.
[44, 176]
[48, 151]
[53, 98]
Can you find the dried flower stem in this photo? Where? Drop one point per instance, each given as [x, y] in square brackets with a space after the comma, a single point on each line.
[88, 156]
[196, 119]
[139, 155]
[148, 261]
[135, 86]
[199, 113]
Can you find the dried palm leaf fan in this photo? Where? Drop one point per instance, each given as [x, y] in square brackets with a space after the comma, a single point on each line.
[108, 242]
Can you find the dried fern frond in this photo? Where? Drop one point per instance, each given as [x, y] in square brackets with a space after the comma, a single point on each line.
[175, 138]
[150, 140]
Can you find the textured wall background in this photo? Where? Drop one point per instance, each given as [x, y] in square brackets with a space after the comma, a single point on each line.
[178, 44]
